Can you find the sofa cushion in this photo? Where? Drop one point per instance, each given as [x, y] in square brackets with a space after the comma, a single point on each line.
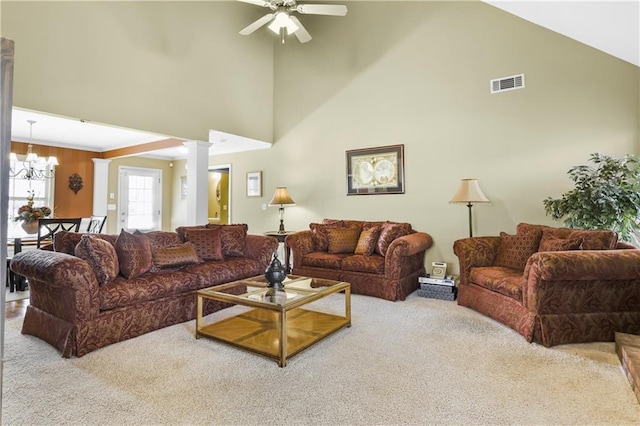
[101, 255]
[502, 280]
[233, 238]
[515, 250]
[216, 272]
[559, 244]
[592, 239]
[207, 241]
[361, 263]
[175, 256]
[389, 232]
[343, 240]
[134, 254]
[321, 259]
[150, 286]
[368, 241]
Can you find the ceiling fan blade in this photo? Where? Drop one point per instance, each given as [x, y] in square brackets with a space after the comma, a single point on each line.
[301, 33]
[262, 3]
[257, 24]
[322, 9]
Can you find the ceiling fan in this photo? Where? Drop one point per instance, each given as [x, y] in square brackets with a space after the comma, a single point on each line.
[283, 22]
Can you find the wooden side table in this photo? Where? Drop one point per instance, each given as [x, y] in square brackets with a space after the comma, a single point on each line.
[281, 237]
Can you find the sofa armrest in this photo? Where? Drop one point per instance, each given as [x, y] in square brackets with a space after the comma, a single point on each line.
[581, 280]
[474, 252]
[405, 254]
[300, 244]
[62, 285]
[261, 248]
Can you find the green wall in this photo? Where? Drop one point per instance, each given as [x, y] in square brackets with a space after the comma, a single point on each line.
[422, 79]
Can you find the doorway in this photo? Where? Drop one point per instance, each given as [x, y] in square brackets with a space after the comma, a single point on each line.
[140, 199]
[219, 211]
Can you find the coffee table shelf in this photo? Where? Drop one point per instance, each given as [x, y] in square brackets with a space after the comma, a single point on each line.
[274, 325]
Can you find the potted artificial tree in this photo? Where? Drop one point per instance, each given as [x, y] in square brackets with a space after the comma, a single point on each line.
[606, 196]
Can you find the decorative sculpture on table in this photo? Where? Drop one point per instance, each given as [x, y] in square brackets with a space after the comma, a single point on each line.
[275, 273]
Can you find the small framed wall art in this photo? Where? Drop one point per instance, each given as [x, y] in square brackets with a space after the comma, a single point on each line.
[377, 170]
[254, 184]
[183, 187]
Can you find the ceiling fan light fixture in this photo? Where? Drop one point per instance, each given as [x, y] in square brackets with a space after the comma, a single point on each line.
[282, 20]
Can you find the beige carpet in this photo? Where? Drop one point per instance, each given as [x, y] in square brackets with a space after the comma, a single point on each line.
[414, 362]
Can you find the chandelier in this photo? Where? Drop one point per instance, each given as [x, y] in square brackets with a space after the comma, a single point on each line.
[33, 167]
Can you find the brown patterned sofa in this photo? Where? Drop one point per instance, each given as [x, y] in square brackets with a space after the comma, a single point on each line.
[553, 285]
[381, 259]
[96, 289]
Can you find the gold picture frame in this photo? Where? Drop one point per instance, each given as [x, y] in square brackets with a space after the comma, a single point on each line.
[254, 184]
[378, 170]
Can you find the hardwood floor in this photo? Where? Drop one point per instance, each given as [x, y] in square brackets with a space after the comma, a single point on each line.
[15, 309]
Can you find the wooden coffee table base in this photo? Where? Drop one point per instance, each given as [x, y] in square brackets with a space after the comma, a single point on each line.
[258, 331]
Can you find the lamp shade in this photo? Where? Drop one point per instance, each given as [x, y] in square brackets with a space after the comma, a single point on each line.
[469, 192]
[281, 197]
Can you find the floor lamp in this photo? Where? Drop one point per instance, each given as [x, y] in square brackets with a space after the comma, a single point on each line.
[469, 192]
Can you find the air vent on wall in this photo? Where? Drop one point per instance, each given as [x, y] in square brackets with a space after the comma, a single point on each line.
[507, 83]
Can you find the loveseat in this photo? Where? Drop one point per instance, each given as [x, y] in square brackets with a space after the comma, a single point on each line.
[93, 290]
[381, 259]
[553, 285]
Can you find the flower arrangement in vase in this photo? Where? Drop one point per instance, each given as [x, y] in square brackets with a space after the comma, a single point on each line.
[29, 215]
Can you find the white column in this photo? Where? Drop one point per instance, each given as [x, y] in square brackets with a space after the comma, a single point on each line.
[197, 182]
[100, 186]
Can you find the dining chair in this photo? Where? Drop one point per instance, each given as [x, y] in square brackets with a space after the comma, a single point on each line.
[15, 281]
[96, 224]
[48, 227]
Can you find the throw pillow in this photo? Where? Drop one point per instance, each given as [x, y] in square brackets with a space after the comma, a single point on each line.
[389, 232]
[134, 254]
[158, 239]
[515, 250]
[181, 229]
[343, 240]
[101, 255]
[560, 244]
[233, 239]
[207, 242]
[367, 241]
[319, 235]
[66, 241]
[175, 256]
[592, 239]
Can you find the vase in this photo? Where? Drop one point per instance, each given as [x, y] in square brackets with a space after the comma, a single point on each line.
[30, 227]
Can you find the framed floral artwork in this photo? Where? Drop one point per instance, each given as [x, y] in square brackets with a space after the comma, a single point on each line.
[377, 170]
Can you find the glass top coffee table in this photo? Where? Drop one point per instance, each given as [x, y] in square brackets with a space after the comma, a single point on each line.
[276, 324]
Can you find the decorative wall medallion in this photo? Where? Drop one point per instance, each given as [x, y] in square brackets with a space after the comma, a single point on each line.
[75, 182]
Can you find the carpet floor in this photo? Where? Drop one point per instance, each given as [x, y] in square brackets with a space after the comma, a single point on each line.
[421, 361]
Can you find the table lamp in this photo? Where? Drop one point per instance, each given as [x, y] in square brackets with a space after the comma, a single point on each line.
[469, 192]
[281, 198]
